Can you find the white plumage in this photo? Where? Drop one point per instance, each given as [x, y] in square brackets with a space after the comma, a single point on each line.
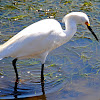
[38, 39]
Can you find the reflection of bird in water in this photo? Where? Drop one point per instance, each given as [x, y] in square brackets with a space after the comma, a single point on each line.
[38, 39]
[16, 93]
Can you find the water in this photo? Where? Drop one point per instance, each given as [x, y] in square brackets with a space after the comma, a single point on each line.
[72, 71]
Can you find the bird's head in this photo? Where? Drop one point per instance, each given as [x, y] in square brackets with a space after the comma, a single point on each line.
[79, 18]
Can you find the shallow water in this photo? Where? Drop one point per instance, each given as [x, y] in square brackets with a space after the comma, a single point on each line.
[72, 71]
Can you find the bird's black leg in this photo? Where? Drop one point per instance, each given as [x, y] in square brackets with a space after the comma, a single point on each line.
[15, 90]
[14, 65]
[42, 75]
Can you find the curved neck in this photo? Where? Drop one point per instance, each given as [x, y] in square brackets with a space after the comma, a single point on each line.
[70, 30]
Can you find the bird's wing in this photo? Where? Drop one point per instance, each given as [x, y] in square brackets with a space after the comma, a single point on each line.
[34, 39]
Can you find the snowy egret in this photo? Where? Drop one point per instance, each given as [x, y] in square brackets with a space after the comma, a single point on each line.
[38, 39]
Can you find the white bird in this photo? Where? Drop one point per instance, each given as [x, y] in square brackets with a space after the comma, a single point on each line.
[38, 39]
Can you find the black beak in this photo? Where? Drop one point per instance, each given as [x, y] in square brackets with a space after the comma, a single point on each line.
[92, 33]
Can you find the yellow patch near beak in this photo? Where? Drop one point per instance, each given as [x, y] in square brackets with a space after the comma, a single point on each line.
[87, 23]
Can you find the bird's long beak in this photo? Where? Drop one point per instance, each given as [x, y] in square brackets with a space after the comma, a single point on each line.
[93, 33]
[88, 26]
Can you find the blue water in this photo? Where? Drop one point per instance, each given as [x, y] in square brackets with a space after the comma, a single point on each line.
[72, 71]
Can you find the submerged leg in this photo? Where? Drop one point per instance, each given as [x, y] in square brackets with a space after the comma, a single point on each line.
[42, 75]
[15, 90]
[14, 65]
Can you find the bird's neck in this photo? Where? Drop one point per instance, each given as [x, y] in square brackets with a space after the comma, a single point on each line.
[70, 30]
[65, 35]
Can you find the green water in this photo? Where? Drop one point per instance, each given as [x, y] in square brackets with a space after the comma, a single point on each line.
[72, 71]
